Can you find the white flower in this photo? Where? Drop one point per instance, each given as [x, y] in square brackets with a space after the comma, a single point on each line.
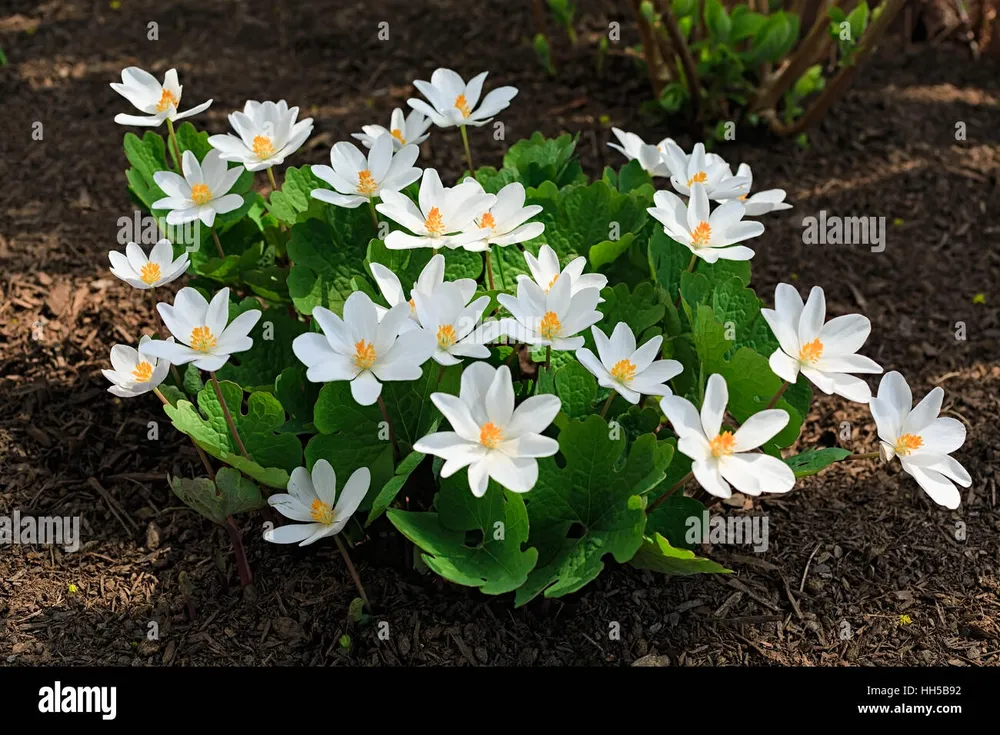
[158, 269]
[762, 202]
[358, 180]
[430, 278]
[504, 222]
[411, 130]
[489, 436]
[312, 500]
[158, 101]
[545, 272]
[626, 370]
[921, 440]
[363, 350]
[203, 191]
[721, 457]
[447, 315]
[442, 217]
[134, 371]
[453, 102]
[651, 157]
[707, 169]
[201, 329]
[824, 353]
[709, 236]
[267, 134]
[551, 319]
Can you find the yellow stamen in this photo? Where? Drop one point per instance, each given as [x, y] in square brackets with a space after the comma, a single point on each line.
[366, 183]
[364, 354]
[701, 234]
[623, 371]
[811, 352]
[150, 273]
[463, 105]
[167, 99]
[490, 435]
[550, 326]
[907, 443]
[743, 197]
[202, 339]
[143, 372]
[263, 147]
[321, 512]
[487, 221]
[434, 224]
[446, 336]
[413, 306]
[552, 282]
[200, 194]
[723, 444]
[398, 135]
[699, 178]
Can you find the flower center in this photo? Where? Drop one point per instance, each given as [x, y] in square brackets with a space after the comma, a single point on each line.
[446, 336]
[487, 221]
[150, 273]
[623, 371]
[907, 443]
[364, 354]
[699, 178]
[743, 197]
[701, 234]
[167, 99]
[552, 282]
[398, 135]
[202, 339]
[143, 372]
[723, 444]
[490, 435]
[366, 183]
[434, 224]
[550, 326]
[200, 194]
[811, 351]
[263, 147]
[463, 106]
[321, 512]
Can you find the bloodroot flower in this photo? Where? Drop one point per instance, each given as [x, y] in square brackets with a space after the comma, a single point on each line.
[312, 500]
[135, 372]
[453, 102]
[630, 372]
[411, 130]
[650, 157]
[267, 134]
[552, 319]
[158, 269]
[358, 180]
[159, 101]
[201, 193]
[921, 440]
[545, 272]
[506, 222]
[201, 329]
[489, 436]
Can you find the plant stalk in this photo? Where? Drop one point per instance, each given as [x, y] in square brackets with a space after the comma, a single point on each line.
[242, 565]
[392, 429]
[468, 152]
[354, 573]
[178, 159]
[676, 486]
[218, 244]
[779, 394]
[229, 417]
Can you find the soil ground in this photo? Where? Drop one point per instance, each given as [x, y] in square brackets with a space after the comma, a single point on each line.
[851, 551]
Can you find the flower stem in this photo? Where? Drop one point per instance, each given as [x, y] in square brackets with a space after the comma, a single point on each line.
[229, 417]
[441, 370]
[270, 177]
[201, 452]
[503, 281]
[676, 486]
[218, 245]
[392, 430]
[353, 571]
[779, 394]
[690, 269]
[371, 208]
[489, 271]
[548, 356]
[607, 405]
[468, 153]
[173, 142]
[242, 565]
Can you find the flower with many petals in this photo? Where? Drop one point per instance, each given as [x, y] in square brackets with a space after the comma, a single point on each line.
[447, 315]
[453, 102]
[650, 157]
[722, 457]
[506, 222]
[143, 272]
[762, 202]
[920, 438]
[431, 277]
[441, 217]
[824, 353]
[707, 169]
[489, 435]
[159, 101]
[312, 500]
[411, 130]
[202, 192]
[134, 372]
[552, 319]
[363, 350]
[358, 180]
[205, 336]
[266, 134]
[545, 272]
[709, 236]
[628, 371]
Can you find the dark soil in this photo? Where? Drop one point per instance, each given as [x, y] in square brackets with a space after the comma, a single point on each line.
[856, 551]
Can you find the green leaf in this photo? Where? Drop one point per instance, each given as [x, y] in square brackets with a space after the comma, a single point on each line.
[259, 367]
[670, 519]
[657, 554]
[538, 159]
[406, 264]
[231, 493]
[641, 309]
[493, 181]
[745, 23]
[323, 266]
[812, 461]
[577, 389]
[293, 203]
[298, 397]
[717, 20]
[632, 177]
[472, 541]
[189, 139]
[668, 259]
[387, 495]
[587, 509]
[775, 39]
